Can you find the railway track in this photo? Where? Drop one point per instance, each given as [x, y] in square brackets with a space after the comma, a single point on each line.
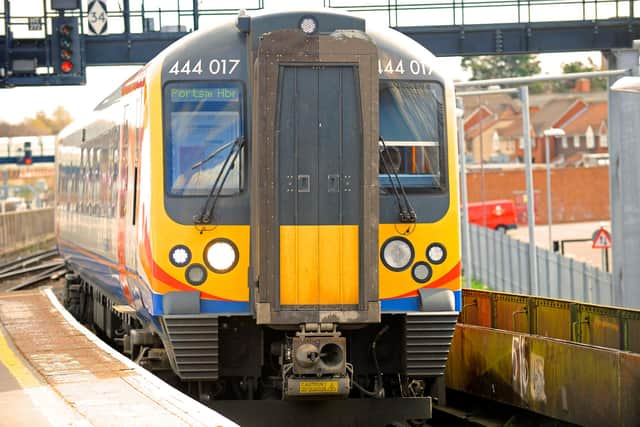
[28, 271]
[466, 410]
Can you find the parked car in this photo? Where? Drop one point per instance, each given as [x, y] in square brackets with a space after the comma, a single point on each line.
[500, 214]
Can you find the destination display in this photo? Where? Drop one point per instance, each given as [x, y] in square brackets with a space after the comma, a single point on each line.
[198, 94]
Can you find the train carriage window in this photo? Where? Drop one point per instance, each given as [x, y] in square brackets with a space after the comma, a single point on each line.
[412, 125]
[203, 117]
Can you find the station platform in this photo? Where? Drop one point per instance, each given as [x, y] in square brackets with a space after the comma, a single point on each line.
[55, 372]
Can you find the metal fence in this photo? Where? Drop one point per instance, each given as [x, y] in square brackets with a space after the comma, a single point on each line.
[502, 264]
[23, 228]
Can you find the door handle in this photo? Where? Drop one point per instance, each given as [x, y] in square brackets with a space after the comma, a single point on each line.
[304, 183]
[333, 183]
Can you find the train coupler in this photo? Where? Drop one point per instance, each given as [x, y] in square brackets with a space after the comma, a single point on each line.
[315, 363]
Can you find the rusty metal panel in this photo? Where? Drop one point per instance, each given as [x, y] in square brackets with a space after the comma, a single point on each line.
[476, 364]
[552, 318]
[511, 312]
[599, 326]
[476, 307]
[603, 326]
[631, 322]
[630, 386]
[571, 382]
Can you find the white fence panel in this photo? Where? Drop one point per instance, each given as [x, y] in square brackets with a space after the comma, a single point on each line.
[502, 263]
[20, 229]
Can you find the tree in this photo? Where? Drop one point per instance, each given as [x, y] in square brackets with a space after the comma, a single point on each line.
[40, 124]
[503, 66]
[597, 84]
[60, 119]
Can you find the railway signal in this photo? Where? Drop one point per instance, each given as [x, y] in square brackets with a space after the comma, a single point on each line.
[65, 47]
[26, 158]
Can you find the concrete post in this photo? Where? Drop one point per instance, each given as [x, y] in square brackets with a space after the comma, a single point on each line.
[624, 183]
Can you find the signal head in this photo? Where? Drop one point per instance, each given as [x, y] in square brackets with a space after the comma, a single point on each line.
[66, 66]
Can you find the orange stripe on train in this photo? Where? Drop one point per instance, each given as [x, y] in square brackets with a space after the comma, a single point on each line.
[451, 275]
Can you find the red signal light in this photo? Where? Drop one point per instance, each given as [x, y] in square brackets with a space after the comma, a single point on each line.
[28, 160]
[66, 66]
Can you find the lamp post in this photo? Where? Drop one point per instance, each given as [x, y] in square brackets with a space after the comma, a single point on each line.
[551, 132]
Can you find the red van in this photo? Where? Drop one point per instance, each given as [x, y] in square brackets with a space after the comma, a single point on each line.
[500, 214]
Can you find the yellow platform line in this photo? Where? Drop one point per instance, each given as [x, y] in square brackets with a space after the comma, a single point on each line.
[16, 368]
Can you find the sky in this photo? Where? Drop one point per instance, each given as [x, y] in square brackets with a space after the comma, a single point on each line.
[18, 103]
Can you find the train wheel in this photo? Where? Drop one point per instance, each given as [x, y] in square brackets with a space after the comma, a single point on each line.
[73, 294]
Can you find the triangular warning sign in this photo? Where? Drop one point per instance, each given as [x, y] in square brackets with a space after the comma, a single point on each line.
[602, 240]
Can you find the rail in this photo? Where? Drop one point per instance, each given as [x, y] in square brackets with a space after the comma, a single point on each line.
[24, 228]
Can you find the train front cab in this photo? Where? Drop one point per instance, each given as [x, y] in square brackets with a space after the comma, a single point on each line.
[323, 260]
[345, 299]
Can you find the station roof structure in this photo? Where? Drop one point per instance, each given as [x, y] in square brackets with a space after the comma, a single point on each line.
[135, 35]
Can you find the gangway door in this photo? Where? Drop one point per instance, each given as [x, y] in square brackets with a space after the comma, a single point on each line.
[314, 185]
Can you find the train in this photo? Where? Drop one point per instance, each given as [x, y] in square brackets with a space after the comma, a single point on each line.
[268, 212]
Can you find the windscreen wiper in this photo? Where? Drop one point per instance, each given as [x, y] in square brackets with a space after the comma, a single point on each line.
[212, 155]
[407, 213]
[206, 213]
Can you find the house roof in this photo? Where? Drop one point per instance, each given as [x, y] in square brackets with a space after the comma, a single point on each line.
[496, 102]
[543, 98]
[514, 130]
[549, 113]
[481, 114]
[481, 127]
[594, 115]
[545, 110]
[497, 123]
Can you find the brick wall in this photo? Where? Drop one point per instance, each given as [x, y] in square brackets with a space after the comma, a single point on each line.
[577, 194]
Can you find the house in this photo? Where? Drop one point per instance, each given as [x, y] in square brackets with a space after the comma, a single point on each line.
[584, 133]
[583, 119]
[493, 126]
[482, 126]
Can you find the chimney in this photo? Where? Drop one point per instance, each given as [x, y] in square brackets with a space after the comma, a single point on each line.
[582, 86]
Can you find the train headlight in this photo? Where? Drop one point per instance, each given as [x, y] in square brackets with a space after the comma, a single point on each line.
[421, 272]
[436, 253]
[180, 255]
[308, 25]
[196, 274]
[221, 255]
[397, 254]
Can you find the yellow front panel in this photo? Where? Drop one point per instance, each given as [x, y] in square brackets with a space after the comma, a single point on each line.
[161, 233]
[298, 274]
[319, 264]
